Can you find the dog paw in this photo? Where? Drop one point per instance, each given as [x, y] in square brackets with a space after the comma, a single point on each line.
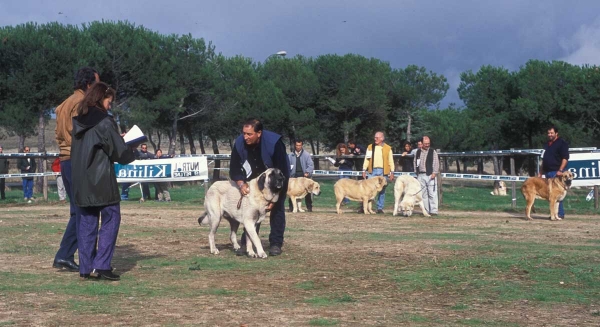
[215, 251]
[262, 255]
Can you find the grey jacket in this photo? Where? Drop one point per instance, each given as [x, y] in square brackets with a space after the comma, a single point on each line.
[305, 161]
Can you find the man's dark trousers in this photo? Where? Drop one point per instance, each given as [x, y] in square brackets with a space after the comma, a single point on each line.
[68, 245]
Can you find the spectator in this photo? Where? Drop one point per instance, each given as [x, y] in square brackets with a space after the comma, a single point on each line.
[555, 160]
[84, 78]
[60, 186]
[407, 163]
[301, 165]
[254, 152]
[419, 146]
[356, 150]
[27, 166]
[379, 161]
[162, 188]
[427, 167]
[142, 154]
[344, 163]
[3, 170]
[96, 145]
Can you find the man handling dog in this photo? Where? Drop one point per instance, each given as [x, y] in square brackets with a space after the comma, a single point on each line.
[427, 167]
[254, 152]
[554, 160]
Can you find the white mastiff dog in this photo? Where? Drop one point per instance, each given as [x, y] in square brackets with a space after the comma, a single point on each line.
[407, 194]
[224, 200]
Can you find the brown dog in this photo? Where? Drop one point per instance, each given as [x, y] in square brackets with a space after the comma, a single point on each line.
[553, 190]
[364, 190]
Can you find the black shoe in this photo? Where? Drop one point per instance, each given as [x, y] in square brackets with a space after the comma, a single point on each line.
[309, 209]
[65, 264]
[380, 212]
[241, 252]
[275, 250]
[87, 276]
[104, 274]
[433, 213]
[360, 210]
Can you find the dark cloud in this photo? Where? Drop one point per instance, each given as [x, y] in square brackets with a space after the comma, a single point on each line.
[447, 37]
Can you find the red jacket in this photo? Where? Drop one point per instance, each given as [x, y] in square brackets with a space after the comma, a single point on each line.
[56, 165]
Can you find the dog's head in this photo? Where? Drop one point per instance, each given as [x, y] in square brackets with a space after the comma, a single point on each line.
[567, 178]
[314, 188]
[381, 182]
[500, 185]
[273, 179]
[407, 206]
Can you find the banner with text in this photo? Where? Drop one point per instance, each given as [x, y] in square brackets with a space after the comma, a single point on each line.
[163, 170]
[585, 167]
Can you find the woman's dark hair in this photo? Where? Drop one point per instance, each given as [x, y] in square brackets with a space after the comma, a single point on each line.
[94, 97]
[405, 143]
[84, 77]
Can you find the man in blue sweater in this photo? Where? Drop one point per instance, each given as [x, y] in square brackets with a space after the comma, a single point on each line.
[555, 159]
[255, 151]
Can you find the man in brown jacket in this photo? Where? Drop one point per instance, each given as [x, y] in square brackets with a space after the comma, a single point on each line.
[84, 78]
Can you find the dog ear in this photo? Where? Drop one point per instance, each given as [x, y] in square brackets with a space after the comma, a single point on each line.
[310, 187]
[261, 181]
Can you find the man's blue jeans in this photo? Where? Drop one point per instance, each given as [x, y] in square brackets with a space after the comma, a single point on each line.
[561, 210]
[381, 196]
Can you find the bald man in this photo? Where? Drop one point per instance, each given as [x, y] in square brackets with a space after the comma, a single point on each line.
[427, 167]
[379, 161]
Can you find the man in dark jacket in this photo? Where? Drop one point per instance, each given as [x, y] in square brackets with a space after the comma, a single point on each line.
[555, 160]
[254, 152]
[3, 170]
[27, 166]
[95, 146]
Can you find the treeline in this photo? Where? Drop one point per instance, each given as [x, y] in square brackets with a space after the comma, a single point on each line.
[179, 90]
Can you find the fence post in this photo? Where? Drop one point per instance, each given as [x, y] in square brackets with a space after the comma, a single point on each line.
[596, 197]
[45, 179]
[514, 184]
[438, 178]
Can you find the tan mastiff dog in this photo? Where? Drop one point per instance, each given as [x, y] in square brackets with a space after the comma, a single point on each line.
[553, 190]
[364, 190]
[407, 194]
[300, 187]
[224, 200]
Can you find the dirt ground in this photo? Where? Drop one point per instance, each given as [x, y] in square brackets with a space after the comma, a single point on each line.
[335, 270]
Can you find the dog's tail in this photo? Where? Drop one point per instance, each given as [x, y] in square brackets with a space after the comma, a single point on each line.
[203, 219]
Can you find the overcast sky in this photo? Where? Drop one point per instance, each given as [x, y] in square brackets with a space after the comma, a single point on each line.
[445, 36]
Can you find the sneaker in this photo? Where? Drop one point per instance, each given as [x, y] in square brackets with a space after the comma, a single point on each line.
[29, 201]
[360, 210]
[25, 199]
[380, 212]
[105, 274]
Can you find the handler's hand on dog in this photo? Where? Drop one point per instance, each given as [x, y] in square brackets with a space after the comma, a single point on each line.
[245, 189]
[270, 206]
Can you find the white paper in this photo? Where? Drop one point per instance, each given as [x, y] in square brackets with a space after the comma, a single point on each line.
[247, 168]
[330, 159]
[134, 135]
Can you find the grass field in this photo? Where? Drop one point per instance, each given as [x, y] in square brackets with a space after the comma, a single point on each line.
[477, 264]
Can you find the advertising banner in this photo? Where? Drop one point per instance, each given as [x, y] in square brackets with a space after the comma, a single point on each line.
[163, 170]
[585, 168]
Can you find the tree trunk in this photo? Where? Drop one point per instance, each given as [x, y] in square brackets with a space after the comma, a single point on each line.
[457, 166]
[496, 163]
[201, 142]
[215, 147]
[190, 137]
[408, 128]
[480, 166]
[181, 144]
[173, 136]
[465, 166]
[21, 143]
[41, 162]
[154, 145]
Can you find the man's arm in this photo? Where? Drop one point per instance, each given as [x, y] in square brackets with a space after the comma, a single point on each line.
[236, 173]
[310, 166]
[280, 159]
[436, 165]
[392, 164]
